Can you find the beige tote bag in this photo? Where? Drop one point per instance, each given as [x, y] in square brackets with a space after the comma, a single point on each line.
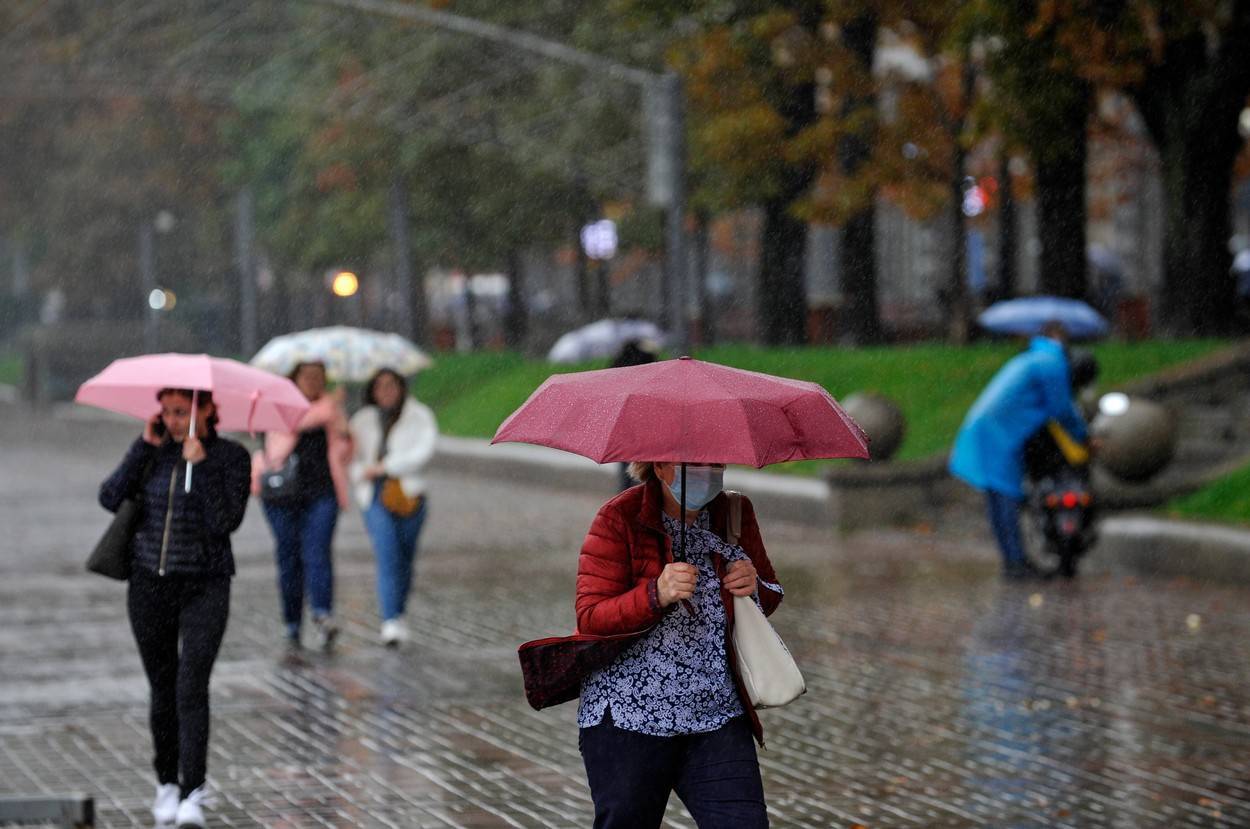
[768, 671]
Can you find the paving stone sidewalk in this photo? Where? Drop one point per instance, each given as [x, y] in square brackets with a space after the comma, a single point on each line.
[938, 697]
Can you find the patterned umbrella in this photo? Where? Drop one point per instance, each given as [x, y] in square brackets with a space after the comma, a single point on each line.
[350, 354]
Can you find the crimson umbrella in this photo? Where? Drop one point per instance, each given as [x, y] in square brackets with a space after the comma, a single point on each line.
[685, 411]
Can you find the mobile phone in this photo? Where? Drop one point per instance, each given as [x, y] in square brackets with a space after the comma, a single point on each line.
[158, 428]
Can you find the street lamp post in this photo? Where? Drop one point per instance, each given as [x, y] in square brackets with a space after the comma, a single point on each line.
[666, 177]
[599, 242]
[147, 271]
[155, 300]
[345, 285]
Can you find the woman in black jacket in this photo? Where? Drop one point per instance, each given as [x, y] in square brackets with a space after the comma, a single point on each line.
[179, 593]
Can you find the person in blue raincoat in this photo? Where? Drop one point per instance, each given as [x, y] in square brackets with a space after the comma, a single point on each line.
[1032, 388]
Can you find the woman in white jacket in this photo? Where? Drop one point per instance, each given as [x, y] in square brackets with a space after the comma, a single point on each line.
[394, 438]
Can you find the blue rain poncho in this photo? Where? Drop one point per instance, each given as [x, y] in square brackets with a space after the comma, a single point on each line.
[1030, 389]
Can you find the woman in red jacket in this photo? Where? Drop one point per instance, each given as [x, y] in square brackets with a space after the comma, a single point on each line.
[669, 712]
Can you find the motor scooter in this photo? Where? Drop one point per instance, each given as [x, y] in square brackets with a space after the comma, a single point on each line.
[1061, 520]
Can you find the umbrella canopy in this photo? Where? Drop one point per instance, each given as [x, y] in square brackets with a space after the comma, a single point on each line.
[601, 340]
[1104, 259]
[685, 411]
[1029, 314]
[350, 355]
[247, 399]
[1241, 262]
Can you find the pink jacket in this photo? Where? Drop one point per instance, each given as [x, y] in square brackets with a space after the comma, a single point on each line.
[325, 412]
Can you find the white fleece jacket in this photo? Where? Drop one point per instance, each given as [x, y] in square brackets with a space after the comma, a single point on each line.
[409, 448]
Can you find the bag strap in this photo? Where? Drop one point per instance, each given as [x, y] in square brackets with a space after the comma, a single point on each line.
[733, 526]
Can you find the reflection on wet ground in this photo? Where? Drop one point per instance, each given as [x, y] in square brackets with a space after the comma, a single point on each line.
[937, 696]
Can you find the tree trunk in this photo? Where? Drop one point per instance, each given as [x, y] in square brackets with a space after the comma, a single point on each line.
[857, 253]
[959, 325]
[858, 266]
[782, 294]
[581, 274]
[583, 214]
[1052, 119]
[1061, 218]
[1191, 105]
[958, 307]
[702, 259]
[1006, 231]
[412, 319]
[516, 321]
[603, 289]
[1198, 294]
[278, 317]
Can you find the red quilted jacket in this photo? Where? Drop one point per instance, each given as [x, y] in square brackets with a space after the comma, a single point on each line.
[621, 559]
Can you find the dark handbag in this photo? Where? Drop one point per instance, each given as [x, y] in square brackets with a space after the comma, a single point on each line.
[553, 669]
[111, 556]
[280, 485]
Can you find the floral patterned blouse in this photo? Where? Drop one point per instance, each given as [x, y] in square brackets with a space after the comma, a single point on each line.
[675, 680]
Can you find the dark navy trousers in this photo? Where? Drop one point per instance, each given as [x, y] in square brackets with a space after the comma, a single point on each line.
[1004, 513]
[716, 774]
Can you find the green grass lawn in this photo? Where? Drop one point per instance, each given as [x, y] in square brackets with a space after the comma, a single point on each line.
[934, 384]
[1226, 500]
[10, 369]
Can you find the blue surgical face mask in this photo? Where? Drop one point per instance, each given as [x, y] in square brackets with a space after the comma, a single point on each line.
[703, 483]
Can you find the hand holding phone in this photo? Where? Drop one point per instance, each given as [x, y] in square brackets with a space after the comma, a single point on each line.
[154, 431]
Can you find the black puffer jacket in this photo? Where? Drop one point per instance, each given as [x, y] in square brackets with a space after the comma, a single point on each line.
[179, 532]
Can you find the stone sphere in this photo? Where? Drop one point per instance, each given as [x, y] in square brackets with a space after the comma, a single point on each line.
[1138, 437]
[881, 419]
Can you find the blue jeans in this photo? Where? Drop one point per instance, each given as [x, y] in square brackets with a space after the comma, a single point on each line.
[1005, 522]
[716, 774]
[394, 541]
[303, 533]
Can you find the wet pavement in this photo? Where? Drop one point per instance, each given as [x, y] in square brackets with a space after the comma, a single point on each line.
[937, 696]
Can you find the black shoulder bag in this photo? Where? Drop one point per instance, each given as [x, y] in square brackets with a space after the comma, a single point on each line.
[281, 484]
[112, 554]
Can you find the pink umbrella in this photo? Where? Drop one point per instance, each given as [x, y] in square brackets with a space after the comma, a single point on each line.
[685, 410]
[247, 399]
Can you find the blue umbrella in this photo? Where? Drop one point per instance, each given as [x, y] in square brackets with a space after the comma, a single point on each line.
[1028, 314]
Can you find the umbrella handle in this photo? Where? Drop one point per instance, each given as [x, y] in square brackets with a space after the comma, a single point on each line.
[195, 399]
[681, 556]
[681, 509]
[251, 412]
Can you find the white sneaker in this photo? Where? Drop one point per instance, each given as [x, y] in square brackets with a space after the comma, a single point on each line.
[325, 632]
[394, 632]
[191, 809]
[165, 806]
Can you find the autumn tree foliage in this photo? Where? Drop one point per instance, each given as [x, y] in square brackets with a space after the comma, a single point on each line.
[1186, 65]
